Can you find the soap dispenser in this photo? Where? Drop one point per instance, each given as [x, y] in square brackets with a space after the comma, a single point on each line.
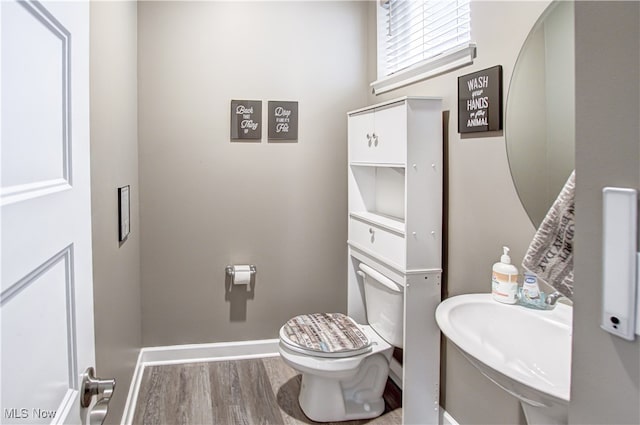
[504, 280]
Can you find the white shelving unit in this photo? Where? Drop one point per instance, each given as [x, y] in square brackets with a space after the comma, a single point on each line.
[395, 227]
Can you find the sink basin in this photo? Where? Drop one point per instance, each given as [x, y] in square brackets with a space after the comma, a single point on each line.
[526, 352]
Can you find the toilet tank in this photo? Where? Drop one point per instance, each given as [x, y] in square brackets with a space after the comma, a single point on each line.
[384, 301]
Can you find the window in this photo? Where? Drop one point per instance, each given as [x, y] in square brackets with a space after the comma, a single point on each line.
[421, 38]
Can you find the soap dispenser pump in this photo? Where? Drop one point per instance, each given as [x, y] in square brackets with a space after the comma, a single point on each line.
[504, 279]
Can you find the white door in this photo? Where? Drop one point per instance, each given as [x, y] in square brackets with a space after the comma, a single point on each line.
[46, 296]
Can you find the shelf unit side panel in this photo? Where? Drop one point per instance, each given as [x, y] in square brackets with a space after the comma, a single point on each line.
[423, 208]
[421, 363]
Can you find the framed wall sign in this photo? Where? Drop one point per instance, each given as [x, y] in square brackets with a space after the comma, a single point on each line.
[123, 213]
[246, 119]
[480, 101]
[283, 120]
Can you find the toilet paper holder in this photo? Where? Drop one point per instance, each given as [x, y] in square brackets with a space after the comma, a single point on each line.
[231, 272]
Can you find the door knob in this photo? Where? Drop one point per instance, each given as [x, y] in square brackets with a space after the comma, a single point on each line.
[99, 412]
[92, 386]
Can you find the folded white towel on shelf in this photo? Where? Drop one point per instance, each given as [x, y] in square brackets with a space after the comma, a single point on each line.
[550, 254]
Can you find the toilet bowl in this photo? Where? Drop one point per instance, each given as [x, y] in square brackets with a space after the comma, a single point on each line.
[345, 365]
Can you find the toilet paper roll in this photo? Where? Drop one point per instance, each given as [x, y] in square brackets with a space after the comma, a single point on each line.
[241, 275]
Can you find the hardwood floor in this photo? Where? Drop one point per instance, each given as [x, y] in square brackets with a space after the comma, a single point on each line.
[254, 391]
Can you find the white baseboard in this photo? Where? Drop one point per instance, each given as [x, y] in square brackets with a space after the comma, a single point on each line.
[446, 418]
[175, 354]
[130, 404]
[209, 352]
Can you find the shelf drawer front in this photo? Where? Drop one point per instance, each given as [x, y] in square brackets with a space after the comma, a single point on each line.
[387, 245]
[379, 136]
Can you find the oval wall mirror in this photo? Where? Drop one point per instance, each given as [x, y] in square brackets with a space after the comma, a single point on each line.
[540, 111]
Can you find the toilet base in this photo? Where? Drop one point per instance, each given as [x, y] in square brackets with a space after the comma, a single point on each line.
[324, 399]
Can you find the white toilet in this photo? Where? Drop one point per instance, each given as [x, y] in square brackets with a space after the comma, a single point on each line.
[345, 365]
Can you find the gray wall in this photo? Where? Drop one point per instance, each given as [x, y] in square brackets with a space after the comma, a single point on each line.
[484, 211]
[114, 163]
[206, 202]
[606, 370]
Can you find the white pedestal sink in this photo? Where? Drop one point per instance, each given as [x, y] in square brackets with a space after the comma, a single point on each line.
[525, 352]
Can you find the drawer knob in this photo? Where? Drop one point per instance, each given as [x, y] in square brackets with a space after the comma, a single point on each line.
[371, 231]
[375, 139]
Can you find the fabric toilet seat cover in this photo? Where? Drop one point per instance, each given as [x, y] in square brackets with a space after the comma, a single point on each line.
[325, 335]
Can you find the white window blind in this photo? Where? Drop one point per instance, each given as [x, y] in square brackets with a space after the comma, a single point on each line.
[411, 32]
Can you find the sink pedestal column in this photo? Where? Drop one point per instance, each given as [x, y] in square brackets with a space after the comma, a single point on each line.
[545, 415]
